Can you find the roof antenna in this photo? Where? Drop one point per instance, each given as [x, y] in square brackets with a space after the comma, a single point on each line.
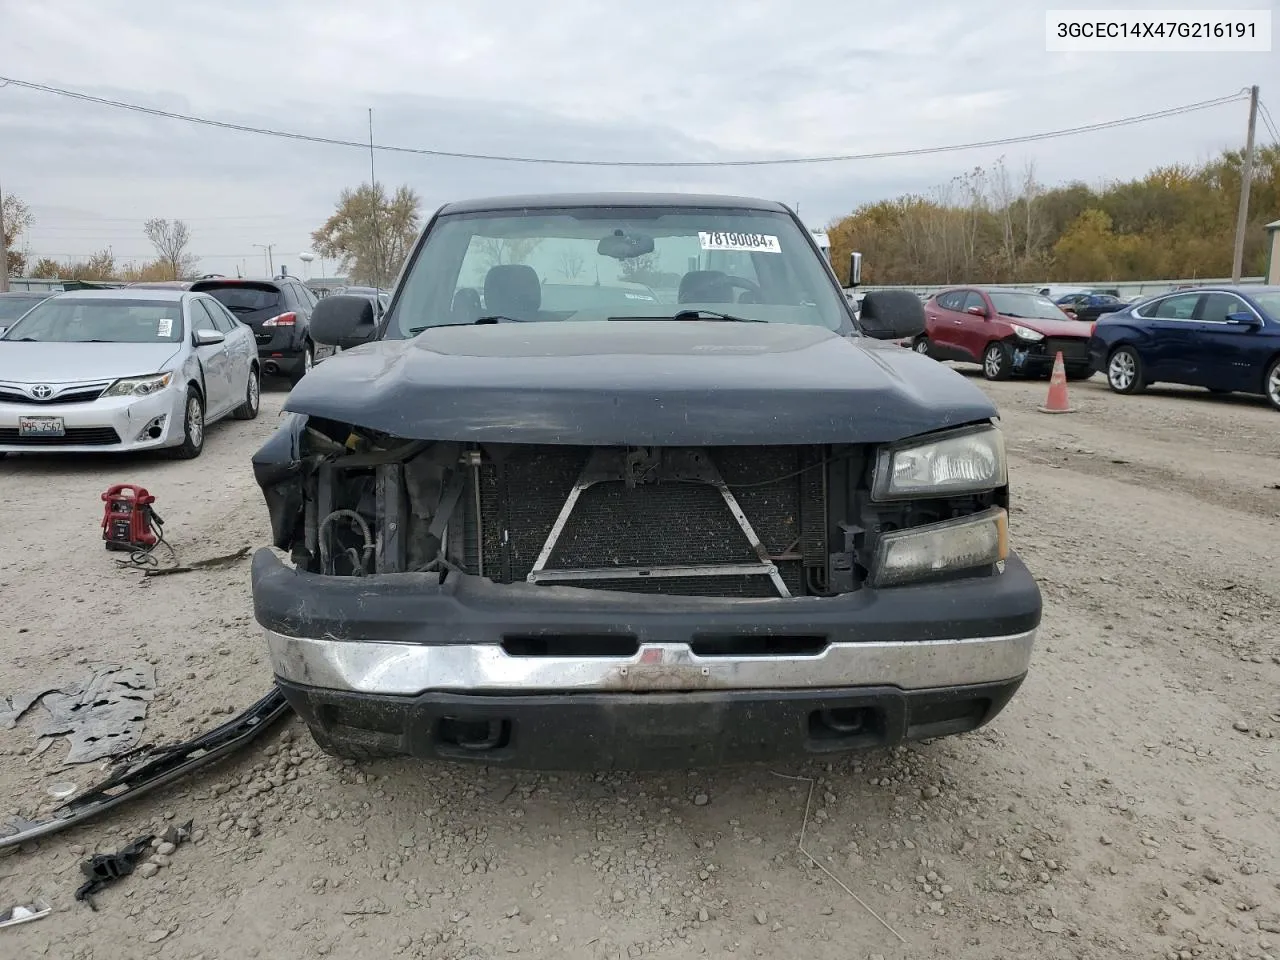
[377, 239]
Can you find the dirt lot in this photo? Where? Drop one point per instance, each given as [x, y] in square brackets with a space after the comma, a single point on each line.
[1125, 804]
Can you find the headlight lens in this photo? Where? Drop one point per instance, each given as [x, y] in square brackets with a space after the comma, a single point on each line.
[961, 462]
[953, 546]
[139, 386]
[1026, 333]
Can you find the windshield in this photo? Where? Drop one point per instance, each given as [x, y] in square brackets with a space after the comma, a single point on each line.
[1269, 302]
[11, 308]
[600, 263]
[1027, 306]
[101, 321]
[244, 299]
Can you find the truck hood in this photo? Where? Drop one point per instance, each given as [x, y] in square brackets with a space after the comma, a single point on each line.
[637, 383]
[51, 363]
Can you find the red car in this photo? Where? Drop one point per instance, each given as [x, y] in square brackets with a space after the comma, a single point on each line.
[1008, 332]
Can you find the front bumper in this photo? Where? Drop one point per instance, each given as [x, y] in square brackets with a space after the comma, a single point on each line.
[399, 663]
[1035, 360]
[639, 731]
[106, 425]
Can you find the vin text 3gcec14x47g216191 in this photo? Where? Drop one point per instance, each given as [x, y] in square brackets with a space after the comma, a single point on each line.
[694, 512]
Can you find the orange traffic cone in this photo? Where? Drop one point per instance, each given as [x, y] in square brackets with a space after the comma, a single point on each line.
[1057, 400]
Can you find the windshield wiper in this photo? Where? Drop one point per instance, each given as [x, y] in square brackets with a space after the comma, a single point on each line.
[494, 318]
[698, 314]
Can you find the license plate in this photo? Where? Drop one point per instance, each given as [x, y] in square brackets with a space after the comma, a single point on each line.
[41, 427]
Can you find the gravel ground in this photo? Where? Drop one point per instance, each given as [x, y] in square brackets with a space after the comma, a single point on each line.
[1125, 804]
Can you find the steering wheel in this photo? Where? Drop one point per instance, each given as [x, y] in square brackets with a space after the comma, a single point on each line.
[748, 285]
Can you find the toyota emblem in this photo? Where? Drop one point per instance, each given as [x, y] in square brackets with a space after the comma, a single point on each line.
[42, 392]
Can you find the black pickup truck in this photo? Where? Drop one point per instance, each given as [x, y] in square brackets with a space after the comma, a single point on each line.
[723, 521]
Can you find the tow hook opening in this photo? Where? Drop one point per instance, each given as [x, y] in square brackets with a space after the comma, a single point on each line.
[474, 735]
[845, 726]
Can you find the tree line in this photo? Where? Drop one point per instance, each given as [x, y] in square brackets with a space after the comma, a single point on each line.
[998, 225]
[171, 239]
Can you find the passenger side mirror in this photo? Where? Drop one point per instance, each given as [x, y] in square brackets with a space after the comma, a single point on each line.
[343, 321]
[891, 315]
[207, 338]
[855, 269]
[977, 311]
[1244, 319]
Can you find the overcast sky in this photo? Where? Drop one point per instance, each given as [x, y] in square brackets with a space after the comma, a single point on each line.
[659, 80]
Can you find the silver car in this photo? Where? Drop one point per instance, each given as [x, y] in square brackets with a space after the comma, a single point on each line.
[124, 370]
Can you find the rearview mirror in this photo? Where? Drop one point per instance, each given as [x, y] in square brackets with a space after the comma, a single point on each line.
[207, 338]
[342, 320]
[891, 315]
[1243, 318]
[977, 311]
[855, 269]
[621, 246]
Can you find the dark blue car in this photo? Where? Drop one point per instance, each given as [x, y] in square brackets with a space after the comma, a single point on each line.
[1224, 338]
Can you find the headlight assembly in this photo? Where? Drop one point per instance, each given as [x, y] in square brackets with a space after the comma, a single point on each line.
[139, 386]
[953, 546]
[1026, 333]
[958, 462]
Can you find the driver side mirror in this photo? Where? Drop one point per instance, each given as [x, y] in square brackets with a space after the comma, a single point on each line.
[891, 315]
[343, 321]
[977, 311]
[207, 338]
[855, 269]
[1243, 319]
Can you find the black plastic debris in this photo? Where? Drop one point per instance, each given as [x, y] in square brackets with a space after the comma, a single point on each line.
[104, 869]
[101, 716]
[149, 768]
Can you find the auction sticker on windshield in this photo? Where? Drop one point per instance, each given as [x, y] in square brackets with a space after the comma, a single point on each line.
[164, 327]
[746, 242]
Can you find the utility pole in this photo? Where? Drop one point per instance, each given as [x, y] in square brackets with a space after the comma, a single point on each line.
[1246, 181]
[267, 258]
[4, 251]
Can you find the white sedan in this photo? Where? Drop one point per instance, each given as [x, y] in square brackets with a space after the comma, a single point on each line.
[124, 370]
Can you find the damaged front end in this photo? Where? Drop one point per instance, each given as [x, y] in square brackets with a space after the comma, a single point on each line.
[606, 605]
[738, 521]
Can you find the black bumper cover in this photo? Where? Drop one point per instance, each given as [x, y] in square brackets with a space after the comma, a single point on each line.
[638, 731]
[416, 608]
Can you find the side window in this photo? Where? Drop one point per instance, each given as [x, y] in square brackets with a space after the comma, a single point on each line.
[208, 318]
[1175, 308]
[217, 308]
[951, 300]
[1218, 306]
[974, 299]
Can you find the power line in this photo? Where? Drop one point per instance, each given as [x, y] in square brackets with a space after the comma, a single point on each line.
[458, 155]
[1270, 123]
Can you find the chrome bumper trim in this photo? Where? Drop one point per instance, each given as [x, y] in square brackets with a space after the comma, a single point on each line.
[408, 669]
